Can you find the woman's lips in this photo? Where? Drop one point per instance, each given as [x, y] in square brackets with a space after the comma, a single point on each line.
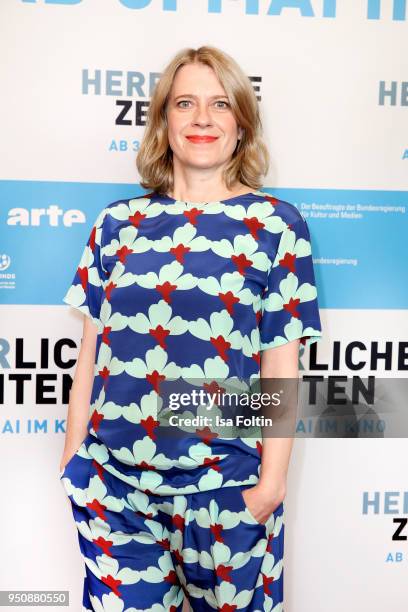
[200, 139]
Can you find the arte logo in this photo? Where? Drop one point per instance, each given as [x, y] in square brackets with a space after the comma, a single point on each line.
[53, 216]
[305, 8]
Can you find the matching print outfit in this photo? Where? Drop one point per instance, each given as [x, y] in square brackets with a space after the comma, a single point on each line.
[191, 292]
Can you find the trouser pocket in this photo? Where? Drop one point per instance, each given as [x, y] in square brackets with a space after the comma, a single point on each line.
[277, 510]
[76, 453]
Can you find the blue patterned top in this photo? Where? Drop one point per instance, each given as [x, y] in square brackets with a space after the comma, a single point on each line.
[187, 289]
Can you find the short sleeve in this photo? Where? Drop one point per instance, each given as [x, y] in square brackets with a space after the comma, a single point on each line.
[86, 291]
[290, 307]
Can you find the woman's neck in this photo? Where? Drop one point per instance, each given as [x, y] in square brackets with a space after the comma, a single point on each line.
[199, 195]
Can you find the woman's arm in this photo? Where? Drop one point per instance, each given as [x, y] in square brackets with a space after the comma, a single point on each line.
[262, 499]
[80, 394]
[279, 362]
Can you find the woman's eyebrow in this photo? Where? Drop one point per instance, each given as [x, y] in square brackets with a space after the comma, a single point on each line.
[193, 96]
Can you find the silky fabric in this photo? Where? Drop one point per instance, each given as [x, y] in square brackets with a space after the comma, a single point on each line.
[146, 552]
[182, 291]
[189, 291]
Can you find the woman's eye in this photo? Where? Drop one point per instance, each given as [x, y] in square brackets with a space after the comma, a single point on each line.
[222, 102]
[184, 103]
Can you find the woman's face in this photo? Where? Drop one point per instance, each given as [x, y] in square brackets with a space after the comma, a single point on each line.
[198, 107]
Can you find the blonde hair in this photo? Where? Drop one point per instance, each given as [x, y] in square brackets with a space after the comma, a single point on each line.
[250, 160]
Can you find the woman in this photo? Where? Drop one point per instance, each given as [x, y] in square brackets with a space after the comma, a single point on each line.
[206, 278]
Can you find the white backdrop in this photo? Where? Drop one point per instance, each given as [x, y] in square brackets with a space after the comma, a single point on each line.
[327, 128]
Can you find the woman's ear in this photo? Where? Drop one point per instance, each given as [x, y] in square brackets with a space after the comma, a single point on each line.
[240, 132]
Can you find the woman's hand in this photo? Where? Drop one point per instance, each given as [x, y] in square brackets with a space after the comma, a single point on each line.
[262, 501]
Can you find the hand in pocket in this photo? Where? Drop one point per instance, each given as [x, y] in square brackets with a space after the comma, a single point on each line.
[261, 505]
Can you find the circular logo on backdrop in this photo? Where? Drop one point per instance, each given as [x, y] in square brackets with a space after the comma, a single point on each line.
[5, 261]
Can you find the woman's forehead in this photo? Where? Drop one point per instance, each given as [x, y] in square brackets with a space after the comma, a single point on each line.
[192, 78]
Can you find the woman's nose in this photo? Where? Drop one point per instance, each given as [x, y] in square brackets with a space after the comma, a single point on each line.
[202, 116]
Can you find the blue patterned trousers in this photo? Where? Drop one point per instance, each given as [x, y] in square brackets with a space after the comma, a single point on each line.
[148, 552]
